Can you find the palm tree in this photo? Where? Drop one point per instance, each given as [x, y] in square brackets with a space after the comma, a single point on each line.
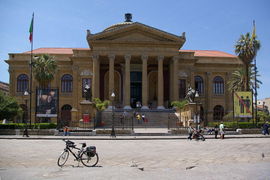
[180, 105]
[246, 48]
[44, 67]
[237, 81]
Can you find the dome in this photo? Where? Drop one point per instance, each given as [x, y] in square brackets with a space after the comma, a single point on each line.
[118, 25]
[128, 17]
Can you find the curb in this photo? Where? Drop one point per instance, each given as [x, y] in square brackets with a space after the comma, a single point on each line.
[126, 138]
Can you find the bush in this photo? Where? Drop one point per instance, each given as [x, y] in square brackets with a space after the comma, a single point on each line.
[34, 126]
[242, 125]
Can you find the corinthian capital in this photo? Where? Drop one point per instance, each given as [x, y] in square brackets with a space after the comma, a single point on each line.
[127, 57]
[160, 58]
[111, 56]
[144, 57]
[95, 56]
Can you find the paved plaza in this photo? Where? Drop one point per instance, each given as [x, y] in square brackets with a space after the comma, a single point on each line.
[246, 158]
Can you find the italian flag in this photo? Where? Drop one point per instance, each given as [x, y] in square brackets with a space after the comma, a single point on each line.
[31, 29]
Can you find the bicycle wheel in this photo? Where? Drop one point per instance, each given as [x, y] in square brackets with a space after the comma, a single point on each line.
[63, 158]
[88, 160]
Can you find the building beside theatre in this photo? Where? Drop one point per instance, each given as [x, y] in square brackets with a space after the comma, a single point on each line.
[137, 62]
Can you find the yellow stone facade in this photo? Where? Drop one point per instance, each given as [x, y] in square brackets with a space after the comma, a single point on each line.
[111, 60]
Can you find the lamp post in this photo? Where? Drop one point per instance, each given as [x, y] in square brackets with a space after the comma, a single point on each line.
[138, 106]
[196, 113]
[113, 132]
[26, 118]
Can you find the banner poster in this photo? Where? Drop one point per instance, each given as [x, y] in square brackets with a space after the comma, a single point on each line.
[243, 104]
[47, 102]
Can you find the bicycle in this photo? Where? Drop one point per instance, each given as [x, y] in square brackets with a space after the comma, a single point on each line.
[88, 156]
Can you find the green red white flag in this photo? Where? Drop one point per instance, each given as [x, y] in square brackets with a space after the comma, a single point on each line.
[31, 29]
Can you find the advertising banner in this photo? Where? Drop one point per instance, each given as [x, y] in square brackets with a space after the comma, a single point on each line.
[243, 104]
[47, 102]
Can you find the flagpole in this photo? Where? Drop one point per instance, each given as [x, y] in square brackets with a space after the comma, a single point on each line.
[31, 60]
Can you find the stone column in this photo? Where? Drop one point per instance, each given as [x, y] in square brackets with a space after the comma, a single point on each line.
[95, 86]
[160, 83]
[111, 75]
[127, 82]
[228, 97]
[144, 82]
[175, 80]
[208, 95]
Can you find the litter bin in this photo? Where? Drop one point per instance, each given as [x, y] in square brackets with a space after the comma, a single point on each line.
[17, 132]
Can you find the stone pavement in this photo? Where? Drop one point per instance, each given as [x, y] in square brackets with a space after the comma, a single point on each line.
[245, 158]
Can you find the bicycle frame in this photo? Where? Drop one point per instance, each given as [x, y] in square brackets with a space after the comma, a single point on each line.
[76, 156]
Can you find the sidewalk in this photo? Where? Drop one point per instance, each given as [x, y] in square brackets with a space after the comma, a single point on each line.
[126, 137]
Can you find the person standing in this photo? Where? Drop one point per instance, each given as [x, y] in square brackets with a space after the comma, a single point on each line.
[221, 130]
[216, 131]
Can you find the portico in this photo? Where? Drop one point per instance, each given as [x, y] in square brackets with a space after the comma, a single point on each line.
[132, 60]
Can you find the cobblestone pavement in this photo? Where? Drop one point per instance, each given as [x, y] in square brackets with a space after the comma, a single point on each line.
[247, 158]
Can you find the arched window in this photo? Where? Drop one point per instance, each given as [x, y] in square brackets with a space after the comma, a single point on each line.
[218, 85]
[66, 83]
[218, 113]
[199, 84]
[22, 83]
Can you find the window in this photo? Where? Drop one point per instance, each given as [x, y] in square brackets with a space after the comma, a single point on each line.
[22, 83]
[182, 88]
[84, 82]
[218, 113]
[199, 84]
[218, 85]
[66, 83]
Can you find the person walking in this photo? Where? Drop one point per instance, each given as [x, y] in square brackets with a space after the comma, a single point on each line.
[265, 128]
[190, 132]
[216, 131]
[221, 130]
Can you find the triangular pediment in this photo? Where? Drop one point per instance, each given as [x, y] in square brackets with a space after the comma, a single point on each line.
[136, 32]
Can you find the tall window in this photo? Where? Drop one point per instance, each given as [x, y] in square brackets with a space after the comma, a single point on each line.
[199, 84]
[218, 113]
[66, 83]
[84, 82]
[182, 88]
[22, 83]
[218, 85]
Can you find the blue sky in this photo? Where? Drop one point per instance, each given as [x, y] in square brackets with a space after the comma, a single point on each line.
[209, 24]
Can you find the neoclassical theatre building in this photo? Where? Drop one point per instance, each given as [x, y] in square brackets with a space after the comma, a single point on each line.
[138, 63]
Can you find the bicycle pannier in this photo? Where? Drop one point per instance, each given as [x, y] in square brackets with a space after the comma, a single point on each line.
[91, 151]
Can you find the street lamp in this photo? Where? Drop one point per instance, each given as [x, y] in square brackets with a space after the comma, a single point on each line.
[196, 114]
[26, 118]
[138, 106]
[113, 132]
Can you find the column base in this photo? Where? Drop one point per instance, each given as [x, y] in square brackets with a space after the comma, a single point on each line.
[127, 107]
[109, 108]
[145, 107]
[160, 107]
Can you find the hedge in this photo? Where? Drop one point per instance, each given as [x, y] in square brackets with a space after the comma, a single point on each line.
[33, 126]
[242, 125]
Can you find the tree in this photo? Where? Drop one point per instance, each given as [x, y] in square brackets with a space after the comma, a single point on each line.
[237, 81]
[179, 105]
[100, 106]
[246, 48]
[9, 108]
[44, 68]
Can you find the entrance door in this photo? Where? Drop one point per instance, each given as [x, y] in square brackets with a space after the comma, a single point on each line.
[135, 87]
[66, 115]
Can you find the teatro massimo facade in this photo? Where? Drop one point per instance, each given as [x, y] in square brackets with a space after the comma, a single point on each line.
[136, 62]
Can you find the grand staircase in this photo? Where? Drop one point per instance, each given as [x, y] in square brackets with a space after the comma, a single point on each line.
[155, 118]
